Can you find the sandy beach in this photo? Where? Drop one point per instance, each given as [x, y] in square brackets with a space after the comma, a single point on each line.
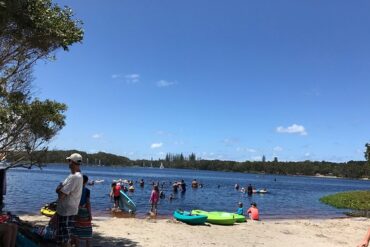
[169, 232]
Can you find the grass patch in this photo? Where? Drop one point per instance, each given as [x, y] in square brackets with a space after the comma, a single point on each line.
[359, 200]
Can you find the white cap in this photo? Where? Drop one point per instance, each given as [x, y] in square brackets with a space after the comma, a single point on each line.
[75, 157]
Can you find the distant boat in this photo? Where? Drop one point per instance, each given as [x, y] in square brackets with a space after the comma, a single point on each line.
[161, 167]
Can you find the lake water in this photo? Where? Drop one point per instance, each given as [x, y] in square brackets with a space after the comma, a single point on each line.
[288, 197]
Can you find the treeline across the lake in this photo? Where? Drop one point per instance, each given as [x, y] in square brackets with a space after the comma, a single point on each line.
[351, 169]
[99, 158]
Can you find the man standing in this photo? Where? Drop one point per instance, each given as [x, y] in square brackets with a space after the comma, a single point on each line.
[69, 196]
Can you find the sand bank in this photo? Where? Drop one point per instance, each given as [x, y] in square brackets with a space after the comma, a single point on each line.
[168, 232]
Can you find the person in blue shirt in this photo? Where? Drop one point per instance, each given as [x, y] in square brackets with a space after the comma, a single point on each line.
[240, 210]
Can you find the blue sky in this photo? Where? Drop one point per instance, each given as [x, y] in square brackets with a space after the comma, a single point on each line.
[229, 80]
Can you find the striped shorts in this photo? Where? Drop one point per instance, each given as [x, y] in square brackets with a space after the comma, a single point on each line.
[65, 228]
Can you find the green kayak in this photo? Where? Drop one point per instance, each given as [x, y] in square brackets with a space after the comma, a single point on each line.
[189, 218]
[218, 218]
[239, 218]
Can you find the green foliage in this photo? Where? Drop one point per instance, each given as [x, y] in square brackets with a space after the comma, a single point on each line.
[367, 152]
[359, 200]
[30, 30]
[179, 157]
[38, 24]
[351, 169]
[59, 156]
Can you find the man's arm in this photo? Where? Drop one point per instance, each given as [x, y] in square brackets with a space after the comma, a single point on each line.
[61, 195]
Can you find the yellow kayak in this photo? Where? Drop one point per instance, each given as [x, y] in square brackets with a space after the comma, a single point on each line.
[47, 212]
[49, 209]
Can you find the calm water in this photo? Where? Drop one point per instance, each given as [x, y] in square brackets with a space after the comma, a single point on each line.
[289, 197]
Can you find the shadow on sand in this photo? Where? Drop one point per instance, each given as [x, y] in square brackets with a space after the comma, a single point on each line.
[104, 241]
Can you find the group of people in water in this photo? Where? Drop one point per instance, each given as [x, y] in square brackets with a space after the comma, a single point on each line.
[175, 187]
[250, 189]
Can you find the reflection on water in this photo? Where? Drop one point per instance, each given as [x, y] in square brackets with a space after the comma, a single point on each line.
[288, 197]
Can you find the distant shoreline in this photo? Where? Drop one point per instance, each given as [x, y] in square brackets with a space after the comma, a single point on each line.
[257, 173]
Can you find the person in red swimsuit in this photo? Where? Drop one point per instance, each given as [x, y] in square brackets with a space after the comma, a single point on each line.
[253, 211]
[116, 187]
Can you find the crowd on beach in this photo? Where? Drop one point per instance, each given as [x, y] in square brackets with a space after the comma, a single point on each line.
[71, 222]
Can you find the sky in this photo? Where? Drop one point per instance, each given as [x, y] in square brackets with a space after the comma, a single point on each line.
[228, 80]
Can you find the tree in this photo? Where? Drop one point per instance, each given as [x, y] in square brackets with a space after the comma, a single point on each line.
[30, 30]
[367, 152]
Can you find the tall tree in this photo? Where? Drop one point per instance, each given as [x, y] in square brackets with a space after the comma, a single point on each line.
[30, 30]
[367, 152]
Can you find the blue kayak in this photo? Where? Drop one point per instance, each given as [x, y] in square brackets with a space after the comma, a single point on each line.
[126, 203]
[187, 217]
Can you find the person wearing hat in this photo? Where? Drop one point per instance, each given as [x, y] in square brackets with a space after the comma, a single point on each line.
[69, 196]
[253, 211]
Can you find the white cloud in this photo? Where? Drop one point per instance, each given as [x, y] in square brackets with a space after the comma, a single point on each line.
[164, 83]
[116, 76]
[243, 149]
[210, 156]
[293, 129]
[278, 149]
[97, 136]
[156, 145]
[132, 78]
[307, 154]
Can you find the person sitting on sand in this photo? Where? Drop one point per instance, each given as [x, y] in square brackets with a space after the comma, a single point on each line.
[253, 211]
[366, 240]
[240, 209]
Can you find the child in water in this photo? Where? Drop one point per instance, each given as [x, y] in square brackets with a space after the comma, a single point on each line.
[253, 211]
[240, 210]
[154, 197]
